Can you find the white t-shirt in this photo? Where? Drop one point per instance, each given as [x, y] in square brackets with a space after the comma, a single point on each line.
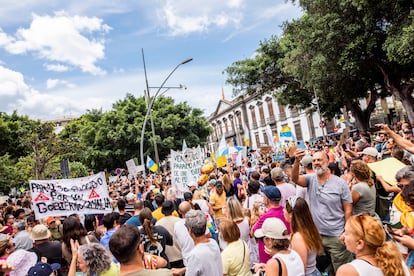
[248, 203]
[205, 259]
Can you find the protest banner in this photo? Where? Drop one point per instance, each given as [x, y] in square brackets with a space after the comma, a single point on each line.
[62, 197]
[132, 168]
[185, 170]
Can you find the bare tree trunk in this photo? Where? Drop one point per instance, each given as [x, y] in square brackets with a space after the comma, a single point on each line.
[402, 92]
[362, 117]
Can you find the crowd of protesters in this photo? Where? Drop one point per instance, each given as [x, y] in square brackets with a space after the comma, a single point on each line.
[322, 211]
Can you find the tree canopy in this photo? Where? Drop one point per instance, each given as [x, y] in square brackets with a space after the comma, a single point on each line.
[30, 149]
[109, 139]
[343, 51]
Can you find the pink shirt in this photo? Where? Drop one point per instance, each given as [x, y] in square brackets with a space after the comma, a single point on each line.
[276, 212]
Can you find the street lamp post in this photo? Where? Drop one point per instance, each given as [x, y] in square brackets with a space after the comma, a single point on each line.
[150, 101]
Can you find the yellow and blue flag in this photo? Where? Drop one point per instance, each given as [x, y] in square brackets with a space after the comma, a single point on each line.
[151, 165]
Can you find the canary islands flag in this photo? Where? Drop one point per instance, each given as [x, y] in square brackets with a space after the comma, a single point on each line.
[151, 165]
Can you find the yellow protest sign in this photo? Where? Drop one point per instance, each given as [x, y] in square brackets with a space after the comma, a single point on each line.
[221, 161]
[387, 168]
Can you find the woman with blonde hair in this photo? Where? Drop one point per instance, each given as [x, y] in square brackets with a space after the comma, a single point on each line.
[228, 185]
[305, 238]
[363, 191]
[365, 237]
[234, 212]
[235, 257]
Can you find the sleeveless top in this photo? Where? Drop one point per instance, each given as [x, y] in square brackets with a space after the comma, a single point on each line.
[365, 268]
[311, 262]
[293, 263]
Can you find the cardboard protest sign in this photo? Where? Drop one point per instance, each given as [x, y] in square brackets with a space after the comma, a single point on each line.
[185, 169]
[132, 168]
[387, 168]
[62, 197]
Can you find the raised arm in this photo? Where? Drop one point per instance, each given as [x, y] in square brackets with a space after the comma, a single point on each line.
[298, 179]
[400, 141]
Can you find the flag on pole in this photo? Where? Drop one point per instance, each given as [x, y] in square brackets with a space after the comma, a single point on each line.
[246, 136]
[184, 145]
[221, 159]
[286, 133]
[151, 165]
[221, 147]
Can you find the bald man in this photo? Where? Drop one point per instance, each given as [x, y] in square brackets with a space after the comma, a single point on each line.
[330, 203]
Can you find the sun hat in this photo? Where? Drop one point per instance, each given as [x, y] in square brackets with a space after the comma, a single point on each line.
[273, 228]
[40, 232]
[272, 193]
[22, 261]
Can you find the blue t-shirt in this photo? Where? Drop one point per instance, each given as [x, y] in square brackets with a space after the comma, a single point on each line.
[326, 203]
[134, 220]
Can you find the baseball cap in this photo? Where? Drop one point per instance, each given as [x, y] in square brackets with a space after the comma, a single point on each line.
[219, 184]
[306, 160]
[49, 220]
[43, 269]
[272, 193]
[277, 173]
[273, 228]
[370, 151]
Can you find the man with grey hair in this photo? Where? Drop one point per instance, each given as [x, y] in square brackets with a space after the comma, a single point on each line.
[404, 176]
[205, 258]
[21, 238]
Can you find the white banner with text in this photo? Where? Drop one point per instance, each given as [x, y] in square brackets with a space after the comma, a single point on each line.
[62, 197]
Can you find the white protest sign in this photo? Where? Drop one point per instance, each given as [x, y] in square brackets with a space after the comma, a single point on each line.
[185, 168]
[62, 197]
[132, 168]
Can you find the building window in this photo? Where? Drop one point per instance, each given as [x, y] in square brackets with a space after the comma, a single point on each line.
[270, 108]
[266, 139]
[282, 112]
[253, 113]
[261, 114]
[226, 127]
[256, 135]
[298, 130]
[311, 126]
[239, 120]
[233, 127]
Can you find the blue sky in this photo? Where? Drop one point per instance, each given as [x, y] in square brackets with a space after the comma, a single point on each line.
[60, 58]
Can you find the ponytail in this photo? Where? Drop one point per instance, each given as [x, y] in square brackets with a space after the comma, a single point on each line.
[147, 225]
[389, 259]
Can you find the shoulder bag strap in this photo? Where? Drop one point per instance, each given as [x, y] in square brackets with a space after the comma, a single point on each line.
[280, 266]
[244, 254]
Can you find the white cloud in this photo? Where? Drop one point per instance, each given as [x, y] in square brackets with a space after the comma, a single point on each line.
[56, 67]
[184, 17]
[53, 83]
[11, 83]
[68, 40]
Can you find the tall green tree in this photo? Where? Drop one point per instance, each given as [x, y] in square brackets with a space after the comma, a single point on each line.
[107, 140]
[370, 41]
